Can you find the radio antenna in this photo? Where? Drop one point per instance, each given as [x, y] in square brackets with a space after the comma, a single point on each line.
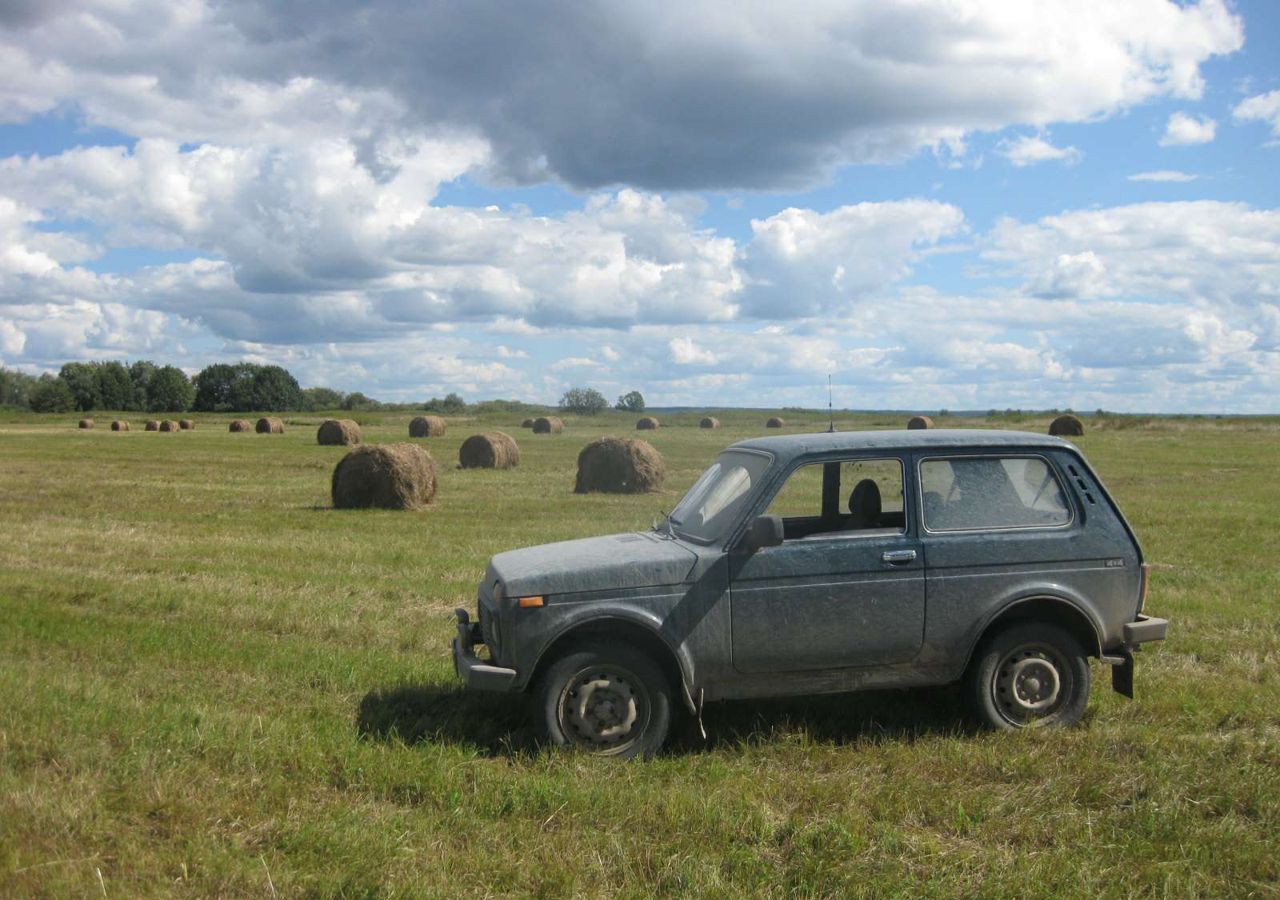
[831, 414]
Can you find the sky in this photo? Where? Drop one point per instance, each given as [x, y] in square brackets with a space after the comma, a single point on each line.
[962, 204]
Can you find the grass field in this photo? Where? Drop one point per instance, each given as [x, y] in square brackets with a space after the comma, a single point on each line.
[214, 684]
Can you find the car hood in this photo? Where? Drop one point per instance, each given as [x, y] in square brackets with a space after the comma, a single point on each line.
[638, 559]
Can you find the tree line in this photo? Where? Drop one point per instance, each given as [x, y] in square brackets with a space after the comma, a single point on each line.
[143, 386]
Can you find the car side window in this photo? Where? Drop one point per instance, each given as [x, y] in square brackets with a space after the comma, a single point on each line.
[984, 492]
[850, 497]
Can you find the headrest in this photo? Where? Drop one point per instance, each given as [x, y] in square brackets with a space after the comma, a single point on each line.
[864, 502]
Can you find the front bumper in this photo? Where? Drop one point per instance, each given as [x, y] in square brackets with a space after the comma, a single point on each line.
[477, 674]
[1142, 630]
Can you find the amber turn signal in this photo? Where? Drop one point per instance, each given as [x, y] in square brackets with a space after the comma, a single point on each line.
[529, 602]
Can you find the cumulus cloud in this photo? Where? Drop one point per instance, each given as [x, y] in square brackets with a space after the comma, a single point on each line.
[1029, 150]
[1183, 129]
[801, 262]
[1164, 175]
[1260, 108]
[667, 96]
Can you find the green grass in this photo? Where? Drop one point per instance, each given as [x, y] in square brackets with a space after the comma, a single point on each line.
[213, 684]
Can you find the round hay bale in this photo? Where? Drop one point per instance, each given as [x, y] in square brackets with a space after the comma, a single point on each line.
[491, 450]
[170, 425]
[86, 423]
[648, 423]
[915, 423]
[269, 425]
[241, 425]
[119, 425]
[427, 426]
[773, 422]
[386, 476]
[709, 422]
[338, 433]
[1066, 426]
[547, 425]
[613, 465]
[153, 425]
[187, 424]
[527, 423]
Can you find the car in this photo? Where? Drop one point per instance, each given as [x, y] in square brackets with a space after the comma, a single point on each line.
[823, 563]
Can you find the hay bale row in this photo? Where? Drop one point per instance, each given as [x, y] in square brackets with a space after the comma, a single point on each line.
[152, 425]
[187, 424]
[916, 423]
[709, 422]
[241, 425]
[169, 425]
[86, 423]
[547, 425]
[338, 433]
[385, 476]
[119, 425]
[491, 450]
[427, 426]
[615, 465]
[774, 422]
[269, 425]
[1066, 426]
[648, 423]
[527, 423]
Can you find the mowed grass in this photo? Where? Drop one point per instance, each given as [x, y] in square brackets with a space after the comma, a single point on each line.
[213, 684]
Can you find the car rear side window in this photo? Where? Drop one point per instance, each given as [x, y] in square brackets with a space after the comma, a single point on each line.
[988, 492]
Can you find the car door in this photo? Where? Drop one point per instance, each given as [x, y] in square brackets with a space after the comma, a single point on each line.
[845, 588]
[997, 526]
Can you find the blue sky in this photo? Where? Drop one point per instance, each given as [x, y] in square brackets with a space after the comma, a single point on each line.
[963, 205]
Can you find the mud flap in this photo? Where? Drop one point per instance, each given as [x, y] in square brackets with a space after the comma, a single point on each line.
[1122, 675]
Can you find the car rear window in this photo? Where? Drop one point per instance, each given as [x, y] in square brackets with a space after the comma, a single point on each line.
[983, 492]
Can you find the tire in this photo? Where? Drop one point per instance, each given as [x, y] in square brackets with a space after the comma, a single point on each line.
[1030, 675]
[605, 699]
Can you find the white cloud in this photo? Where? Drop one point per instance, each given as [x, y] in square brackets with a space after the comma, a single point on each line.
[1182, 129]
[684, 352]
[574, 362]
[1260, 108]
[1164, 175]
[1028, 150]
[793, 95]
[800, 262]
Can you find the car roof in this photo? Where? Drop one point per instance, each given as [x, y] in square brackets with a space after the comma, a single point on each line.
[785, 446]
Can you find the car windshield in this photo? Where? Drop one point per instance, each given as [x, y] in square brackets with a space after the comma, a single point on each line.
[713, 503]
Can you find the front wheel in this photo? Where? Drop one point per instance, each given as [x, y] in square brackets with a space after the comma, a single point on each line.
[606, 699]
[1029, 675]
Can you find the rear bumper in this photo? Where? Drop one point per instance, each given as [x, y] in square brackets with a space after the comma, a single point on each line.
[1144, 630]
[477, 674]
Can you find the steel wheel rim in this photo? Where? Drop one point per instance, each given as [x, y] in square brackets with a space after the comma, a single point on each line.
[604, 709]
[1031, 685]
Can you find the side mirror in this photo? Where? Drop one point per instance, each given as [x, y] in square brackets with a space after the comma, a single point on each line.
[764, 531]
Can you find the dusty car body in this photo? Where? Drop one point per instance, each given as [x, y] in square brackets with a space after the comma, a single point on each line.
[823, 563]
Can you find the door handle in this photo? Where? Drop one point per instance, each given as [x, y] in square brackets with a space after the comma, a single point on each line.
[898, 557]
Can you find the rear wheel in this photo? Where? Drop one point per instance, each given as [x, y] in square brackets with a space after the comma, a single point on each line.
[606, 699]
[1029, 675]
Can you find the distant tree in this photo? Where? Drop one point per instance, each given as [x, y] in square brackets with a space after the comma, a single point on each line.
[583, 401]
[317, 398]
[115, 387]
[82, 379]
[220, 385]
[275, 390]
[170, 390]
[357, 400]
[452, 404]
[140, 374]
[16, 388]
[632, 401]
[51, 394]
